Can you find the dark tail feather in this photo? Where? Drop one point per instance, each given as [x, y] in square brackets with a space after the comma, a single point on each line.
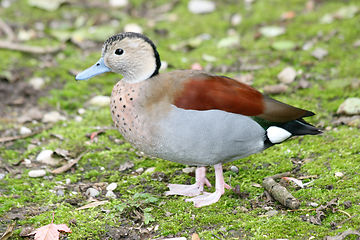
[300, 127]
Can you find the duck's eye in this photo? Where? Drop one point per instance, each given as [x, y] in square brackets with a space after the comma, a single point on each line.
[119, 51]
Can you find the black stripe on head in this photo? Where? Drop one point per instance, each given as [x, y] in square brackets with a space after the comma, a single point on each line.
[120, 36]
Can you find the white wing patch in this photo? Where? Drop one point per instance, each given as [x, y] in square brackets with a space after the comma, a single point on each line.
[277, 134]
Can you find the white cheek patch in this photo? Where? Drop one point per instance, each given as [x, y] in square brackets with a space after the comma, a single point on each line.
[277, 134]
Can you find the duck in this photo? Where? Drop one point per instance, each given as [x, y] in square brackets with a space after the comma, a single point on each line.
[191, 117]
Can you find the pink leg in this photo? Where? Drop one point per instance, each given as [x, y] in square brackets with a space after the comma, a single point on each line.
[190, 190]
[209, 198]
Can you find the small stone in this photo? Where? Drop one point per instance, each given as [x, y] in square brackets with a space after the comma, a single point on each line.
[24, 130]
[314, 204]
[339, 174]
[67, 181]
[272, 31]
[93, 192]
[164, 65]
[37, 83]
[52, 116]
[351, 106]
[27, 161]
[271, 213]
[2, 176]
[46, 157]
[37, 173]
[78, 118]
[125, 166]
[188, 169]
[287, 75]
[133, 27]
[100, 101]
[110, 194]
[118, 3]
[236, 19]
[60, 192]
[31, 147]
[234, 169]
[111, 186]
[201, 6]
[150, 170]
[139, 170]
[275, 89]
[81, 111]
[319, 53]
[159, 176]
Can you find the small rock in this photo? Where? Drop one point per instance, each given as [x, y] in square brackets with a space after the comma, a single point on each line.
[287, 75]
[319, 53]
[111, 186]
[164, 65]
[53, 116]
[31, 146]
[196, 66]
[350, 106]
[100, 101]
[133, 27]
[339, 174]
[46, 158]
[201, 6]
[188, 169]
[236, 19]
[118, 3]
[93, 192]
[159, 176]
[78, 118]
[275, 89]
[37, 83]
[2, 176]
[81, 111]
[247, 78]
[110, 194]
[37, 173]
[139, 170]
[24, 130]
[125, 166]
[356, 44]
[234, 169]
[26, 161]
[60, 192]
[150, 170]
[271, 213]
[272, 31]
[67, 181]
[314, 204]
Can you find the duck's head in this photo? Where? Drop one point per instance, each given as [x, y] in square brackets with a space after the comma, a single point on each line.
[130, 54]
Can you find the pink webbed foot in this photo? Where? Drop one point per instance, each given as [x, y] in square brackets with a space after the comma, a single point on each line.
[190, 190]
[209, 198]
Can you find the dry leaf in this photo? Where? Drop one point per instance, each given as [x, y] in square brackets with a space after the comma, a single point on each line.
[50, 231]
[91, 205]
[9, 231]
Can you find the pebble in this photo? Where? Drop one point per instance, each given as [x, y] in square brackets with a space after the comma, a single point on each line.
[46, 158]
[271, 213]
[139, 170]
[111, 186]
[2, 176]
[37, 173]
[275, 89]
[52, 116]
[27, 161]
[110, 194]
[150, 170]
[339, 174]
[60, 192]
[236, 19]
[24, 130]
[100, 101]
[188, 170]
[314, 204]
[37, 83]
[92, 192]
[118, 3]
[287, 75]
[351, 106]
[78, 118]
[133, 27]
[319, 53]
[234, 169]
[201, 6]
[31, 146]
[81, 111]
[67, 181]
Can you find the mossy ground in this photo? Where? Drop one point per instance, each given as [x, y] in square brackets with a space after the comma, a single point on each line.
[337, 150]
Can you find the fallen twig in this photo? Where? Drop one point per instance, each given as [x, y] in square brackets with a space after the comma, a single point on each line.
[280, 193]
[7, 30]
[280, 175]
[9, 139]
[68, 165]
[347, 219]
[306, 177]
[30, 49]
